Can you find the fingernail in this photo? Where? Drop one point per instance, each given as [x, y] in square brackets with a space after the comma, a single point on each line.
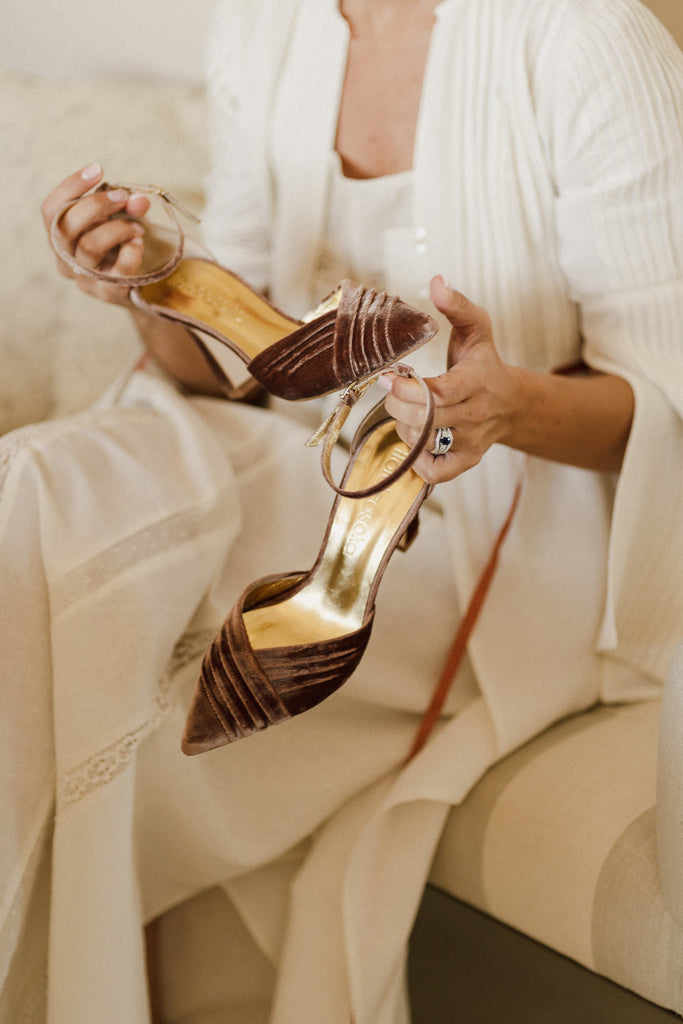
[91, 172]
[386, 381]
[117, 195]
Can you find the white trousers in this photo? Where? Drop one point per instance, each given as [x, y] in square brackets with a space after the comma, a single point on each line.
[125, 535]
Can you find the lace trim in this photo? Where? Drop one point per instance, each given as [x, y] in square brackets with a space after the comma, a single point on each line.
[143, 546]
[104, 766]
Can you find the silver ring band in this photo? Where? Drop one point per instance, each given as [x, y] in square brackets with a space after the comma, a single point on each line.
[443, 442]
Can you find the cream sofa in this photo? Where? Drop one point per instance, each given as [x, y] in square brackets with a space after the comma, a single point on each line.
[574, 841]
[564, 867]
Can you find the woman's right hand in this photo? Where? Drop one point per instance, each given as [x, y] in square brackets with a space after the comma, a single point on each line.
[93, 234]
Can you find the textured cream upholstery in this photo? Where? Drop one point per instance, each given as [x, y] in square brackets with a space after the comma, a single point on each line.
[670, 791]
[559, 841]
[58, 348]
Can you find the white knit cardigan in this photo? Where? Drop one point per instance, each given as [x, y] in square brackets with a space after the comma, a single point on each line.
[548, 171]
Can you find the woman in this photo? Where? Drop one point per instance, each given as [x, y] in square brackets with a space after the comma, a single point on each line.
[528, 153]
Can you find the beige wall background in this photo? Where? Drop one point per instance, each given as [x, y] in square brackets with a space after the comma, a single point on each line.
[671, 13]
[71, 38]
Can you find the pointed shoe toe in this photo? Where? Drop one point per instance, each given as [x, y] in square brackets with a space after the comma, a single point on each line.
[368, 332]
[204, 729]
[242, 690]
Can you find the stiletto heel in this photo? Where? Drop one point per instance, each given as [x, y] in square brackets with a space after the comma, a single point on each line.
[293, 639]
[356, 333]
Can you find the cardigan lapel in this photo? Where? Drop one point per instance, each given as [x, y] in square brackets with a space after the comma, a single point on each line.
[306, 103]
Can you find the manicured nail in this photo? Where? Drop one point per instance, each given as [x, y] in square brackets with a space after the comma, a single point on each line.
[91, 172]
[117, 195]
[386, 381]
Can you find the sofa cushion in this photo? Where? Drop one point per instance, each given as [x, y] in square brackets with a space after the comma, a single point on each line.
[670, 790]
[58, 348]
[559, 841]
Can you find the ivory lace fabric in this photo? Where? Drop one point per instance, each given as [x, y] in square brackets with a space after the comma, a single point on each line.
[547, 187]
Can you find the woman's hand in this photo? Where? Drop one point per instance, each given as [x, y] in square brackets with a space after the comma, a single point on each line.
[93, 233]
[478, 398]
[581, 421]
[98, 237]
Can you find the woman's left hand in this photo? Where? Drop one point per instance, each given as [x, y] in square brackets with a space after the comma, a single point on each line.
[478, 398]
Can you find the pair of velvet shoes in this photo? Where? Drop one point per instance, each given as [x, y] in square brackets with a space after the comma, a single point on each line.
[292, 640]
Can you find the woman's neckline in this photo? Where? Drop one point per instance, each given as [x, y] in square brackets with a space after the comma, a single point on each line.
[341, 171]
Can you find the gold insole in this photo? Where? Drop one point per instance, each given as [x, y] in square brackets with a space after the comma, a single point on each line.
[212, 295]
[334, 601]
[217, 298]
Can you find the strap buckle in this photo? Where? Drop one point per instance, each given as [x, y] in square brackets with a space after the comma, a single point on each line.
[337, 418]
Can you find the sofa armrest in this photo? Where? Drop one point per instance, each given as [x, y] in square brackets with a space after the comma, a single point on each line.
[670, 790]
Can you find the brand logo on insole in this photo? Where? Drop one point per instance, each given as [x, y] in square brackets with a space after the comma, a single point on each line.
[363, 522]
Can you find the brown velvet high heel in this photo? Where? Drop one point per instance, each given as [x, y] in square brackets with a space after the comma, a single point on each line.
[355, 333]
[293, 639]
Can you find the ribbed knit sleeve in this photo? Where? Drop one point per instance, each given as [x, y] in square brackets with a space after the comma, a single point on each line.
[619, 166]
[618, 162]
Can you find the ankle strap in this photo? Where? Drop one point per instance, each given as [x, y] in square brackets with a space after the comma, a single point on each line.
[170, 205]
[328, 433]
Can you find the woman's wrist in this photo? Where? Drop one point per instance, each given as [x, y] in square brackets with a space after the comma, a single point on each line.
[582, 421]
[173, 348]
